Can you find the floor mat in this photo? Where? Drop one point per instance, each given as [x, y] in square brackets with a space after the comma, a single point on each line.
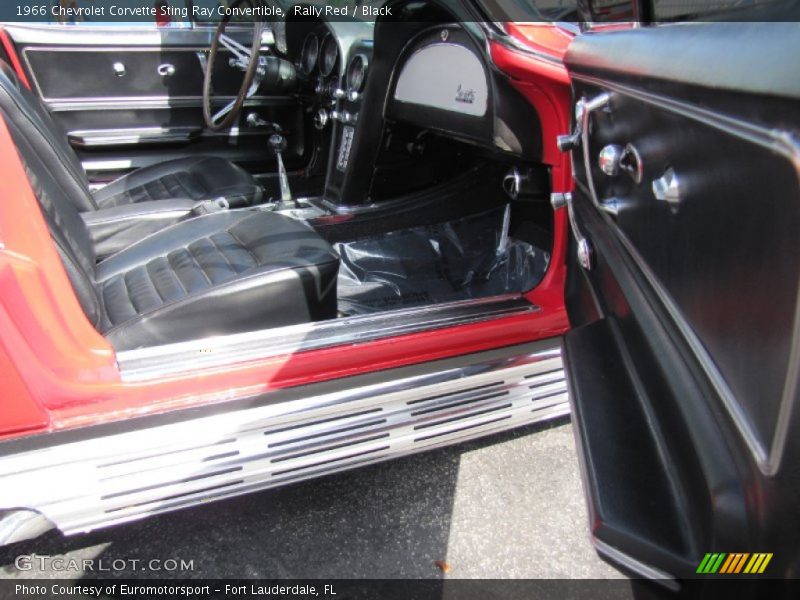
[472, 257]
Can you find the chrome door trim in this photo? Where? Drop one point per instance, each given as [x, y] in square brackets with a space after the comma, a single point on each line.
[283, 437]
[782, 143]
[187, 357]
[642, 569]
[99, 35]
[158, 102]
[87, 138]
[90, 138]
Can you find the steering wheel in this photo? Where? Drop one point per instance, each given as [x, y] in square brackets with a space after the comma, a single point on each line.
[244, 58]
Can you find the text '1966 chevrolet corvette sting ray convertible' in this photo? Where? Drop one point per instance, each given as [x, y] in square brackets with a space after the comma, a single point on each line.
[240, 252]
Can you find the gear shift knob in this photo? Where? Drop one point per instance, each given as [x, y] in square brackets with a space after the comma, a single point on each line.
[277, 142]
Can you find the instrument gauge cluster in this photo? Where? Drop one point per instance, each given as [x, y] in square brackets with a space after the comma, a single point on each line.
[309, 54]
[329, 55]
[356, 75]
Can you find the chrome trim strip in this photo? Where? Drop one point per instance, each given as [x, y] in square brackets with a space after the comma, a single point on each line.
[133, 135]
[637, 566]
[99, 36]
[785, 144]
[86, 138]
[142, 102]
[186, 357]
[108, 165]
[83, 485]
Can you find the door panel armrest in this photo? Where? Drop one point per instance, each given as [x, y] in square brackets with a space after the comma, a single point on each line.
[113, 229]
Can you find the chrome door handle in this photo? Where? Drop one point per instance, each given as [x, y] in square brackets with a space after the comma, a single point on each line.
[166, 70]
[585, 250]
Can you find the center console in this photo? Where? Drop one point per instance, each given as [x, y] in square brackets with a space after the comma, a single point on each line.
[344, 117]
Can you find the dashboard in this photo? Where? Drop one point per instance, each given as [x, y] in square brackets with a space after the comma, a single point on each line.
[329, 68]
[426, 71]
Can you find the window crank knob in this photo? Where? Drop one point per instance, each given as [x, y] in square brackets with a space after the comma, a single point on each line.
[609, 159]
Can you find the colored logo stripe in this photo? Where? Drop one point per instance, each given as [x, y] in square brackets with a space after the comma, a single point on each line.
[733, 563]
[711, 562]
[758, 563]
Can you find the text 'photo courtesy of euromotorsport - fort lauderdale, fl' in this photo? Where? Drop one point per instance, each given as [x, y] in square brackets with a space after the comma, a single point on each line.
[399, 299]
[140, 590]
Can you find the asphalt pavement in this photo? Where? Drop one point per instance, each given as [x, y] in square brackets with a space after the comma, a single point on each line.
[511, 506]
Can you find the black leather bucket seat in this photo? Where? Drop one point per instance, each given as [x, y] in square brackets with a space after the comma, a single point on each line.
[195, 178]
[217, 274]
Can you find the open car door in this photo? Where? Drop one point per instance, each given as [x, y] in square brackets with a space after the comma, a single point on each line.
[683, 295]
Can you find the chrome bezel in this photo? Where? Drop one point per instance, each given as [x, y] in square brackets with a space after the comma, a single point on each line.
[364, 67]
[311, 37]
[326, 42]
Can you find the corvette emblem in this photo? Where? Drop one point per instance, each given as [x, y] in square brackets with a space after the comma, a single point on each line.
[465, 96]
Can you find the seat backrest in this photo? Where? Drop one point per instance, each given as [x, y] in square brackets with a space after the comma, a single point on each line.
[23, 108]
[67, 228]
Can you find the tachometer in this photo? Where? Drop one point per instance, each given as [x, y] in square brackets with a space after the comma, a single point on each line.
[308, 57]
[329, 55]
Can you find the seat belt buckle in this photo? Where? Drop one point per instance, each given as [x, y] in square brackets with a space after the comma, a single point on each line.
[207, 207]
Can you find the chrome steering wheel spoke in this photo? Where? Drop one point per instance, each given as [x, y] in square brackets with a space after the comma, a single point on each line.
[241, 52]
[223, 111]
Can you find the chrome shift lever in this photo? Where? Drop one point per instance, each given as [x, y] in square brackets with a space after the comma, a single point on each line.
[278, 144]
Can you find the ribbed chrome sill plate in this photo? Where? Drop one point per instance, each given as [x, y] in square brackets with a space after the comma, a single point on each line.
[188, 357]
[84, 485]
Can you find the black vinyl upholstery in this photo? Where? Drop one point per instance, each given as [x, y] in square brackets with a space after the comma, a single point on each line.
[222, 273]
[195, 178]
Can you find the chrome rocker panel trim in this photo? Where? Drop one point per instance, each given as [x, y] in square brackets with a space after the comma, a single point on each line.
[120, 477]
[187, 357]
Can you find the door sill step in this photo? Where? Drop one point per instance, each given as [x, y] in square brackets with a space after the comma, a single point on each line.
[120, 477]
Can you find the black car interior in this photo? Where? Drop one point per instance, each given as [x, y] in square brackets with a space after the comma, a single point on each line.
[377, 190]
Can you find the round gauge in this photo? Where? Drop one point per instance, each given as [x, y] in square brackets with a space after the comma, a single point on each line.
[357, 73]
[328, 55]
[308, 57]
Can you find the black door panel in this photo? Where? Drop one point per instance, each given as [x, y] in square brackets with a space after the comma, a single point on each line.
[132, 96]
[141, 77]
[148, 72]
[727, 252]
[691, 296]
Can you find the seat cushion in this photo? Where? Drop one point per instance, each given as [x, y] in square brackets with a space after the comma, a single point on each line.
[194, 178]
[218, 274]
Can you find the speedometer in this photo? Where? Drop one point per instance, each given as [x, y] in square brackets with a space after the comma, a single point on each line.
[308, 57]
[328, 55]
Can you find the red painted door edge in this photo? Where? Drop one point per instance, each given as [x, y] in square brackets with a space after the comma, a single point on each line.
[11, 52]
